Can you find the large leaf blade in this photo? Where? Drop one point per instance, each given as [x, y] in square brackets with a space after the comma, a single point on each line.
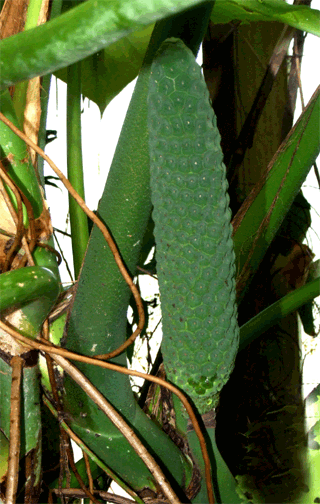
[106, 73]
[262, 213]
[78, 33]
[298, 16]
[93, 25]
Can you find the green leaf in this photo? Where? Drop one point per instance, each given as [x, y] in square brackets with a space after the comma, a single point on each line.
[299, 16]
[78, 33]
[106, 73]
[48, 181]
[262, 213]
[102, 73]
[4, 454]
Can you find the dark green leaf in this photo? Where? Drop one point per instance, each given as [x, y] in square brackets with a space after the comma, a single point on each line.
[106, 73]
[48, 179]
[78, 33]
[298, 16]
[254, 231]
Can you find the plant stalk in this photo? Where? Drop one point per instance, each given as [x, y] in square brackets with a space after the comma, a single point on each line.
[78, 219]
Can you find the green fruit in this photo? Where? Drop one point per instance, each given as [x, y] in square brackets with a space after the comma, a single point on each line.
[194, 249]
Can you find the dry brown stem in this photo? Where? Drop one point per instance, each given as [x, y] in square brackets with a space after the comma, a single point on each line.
[107, 496]
[14, 442]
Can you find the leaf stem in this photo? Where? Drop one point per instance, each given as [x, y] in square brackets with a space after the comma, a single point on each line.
[24, 285]
[78, 219]
[278, 310]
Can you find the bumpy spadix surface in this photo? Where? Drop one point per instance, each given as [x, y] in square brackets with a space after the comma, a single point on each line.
[194, 249]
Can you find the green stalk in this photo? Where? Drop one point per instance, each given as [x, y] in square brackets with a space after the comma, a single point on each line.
[56, 333]
[34, 289]
[225, 483]
[277, 311]
[34, 8]
[21, 286]
[78, 219]
[17, 164]
[19, 101]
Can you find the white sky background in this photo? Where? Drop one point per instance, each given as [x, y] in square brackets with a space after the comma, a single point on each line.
[99, 141]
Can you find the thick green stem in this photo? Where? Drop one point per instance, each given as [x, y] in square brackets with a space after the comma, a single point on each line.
[34, 8]
[15, 157]
[125, 206]
[25, 285]
[78, 219]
